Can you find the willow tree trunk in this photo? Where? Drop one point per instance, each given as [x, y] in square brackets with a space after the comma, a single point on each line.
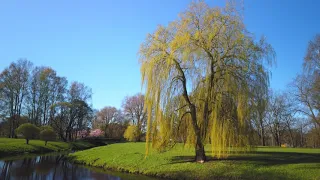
[200, 153]
[199, 147]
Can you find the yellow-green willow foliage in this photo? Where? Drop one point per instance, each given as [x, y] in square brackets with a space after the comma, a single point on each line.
[200, 74]
[131, 133]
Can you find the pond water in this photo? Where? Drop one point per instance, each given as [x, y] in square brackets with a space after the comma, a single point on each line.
[45, 167]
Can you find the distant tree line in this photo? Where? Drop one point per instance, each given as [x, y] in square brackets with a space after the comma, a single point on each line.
[292, 117]
[37, 95]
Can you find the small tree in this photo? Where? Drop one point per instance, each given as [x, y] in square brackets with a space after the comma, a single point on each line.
[28, 131]
[132, 133]
[47, 135]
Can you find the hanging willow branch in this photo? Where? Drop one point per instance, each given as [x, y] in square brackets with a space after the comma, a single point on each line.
[211, 98]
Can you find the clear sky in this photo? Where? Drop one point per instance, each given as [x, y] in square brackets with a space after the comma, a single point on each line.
[96, 42]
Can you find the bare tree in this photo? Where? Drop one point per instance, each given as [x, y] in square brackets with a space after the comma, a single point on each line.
[107, 116]
[14, 89]
[280, 116]
[260, 102]
[308, 97]
[79, 96]
[133, 107]
[312, 58]
[306, 87]
[45, 89]
[74, 114]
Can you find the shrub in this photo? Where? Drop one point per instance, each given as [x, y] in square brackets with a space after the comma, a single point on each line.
[45, 127]
[131, 133]
[28, 131]
[47, 135]
[96, 133]
[83, 133]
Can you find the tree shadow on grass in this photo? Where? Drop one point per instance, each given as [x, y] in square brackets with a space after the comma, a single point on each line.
[244, 174]
[55, 145]
[41, 149]
[74, 146]
[260, 158]
[278, 158]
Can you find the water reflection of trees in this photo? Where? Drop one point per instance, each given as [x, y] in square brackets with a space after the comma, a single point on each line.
[47, 167]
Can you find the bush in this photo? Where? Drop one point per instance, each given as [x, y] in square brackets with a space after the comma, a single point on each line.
[28, 131]
[83, 133]
[131, 133]
[96, 133]
[45, 127]
[47, 135]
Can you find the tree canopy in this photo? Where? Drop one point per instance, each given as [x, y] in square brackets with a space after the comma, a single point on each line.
[133, 108]
[202, 70]
[48, 135]
[28, 131]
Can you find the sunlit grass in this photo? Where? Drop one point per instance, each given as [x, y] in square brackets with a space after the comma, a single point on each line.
[10, 146]
[264, 163]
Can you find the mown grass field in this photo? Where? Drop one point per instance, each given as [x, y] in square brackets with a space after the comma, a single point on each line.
[10, 147]
[264, 163]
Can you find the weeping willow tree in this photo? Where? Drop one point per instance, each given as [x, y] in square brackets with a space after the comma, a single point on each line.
[200, 73]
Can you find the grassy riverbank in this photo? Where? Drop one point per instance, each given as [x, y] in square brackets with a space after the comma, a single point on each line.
[265, 163]
[10, 147]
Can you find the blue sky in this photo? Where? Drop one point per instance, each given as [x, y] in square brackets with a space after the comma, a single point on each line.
[96, 42]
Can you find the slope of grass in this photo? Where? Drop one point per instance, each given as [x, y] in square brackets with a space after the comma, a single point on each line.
[264, 163]
[9, 147]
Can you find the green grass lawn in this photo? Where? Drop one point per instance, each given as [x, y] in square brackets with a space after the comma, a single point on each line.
[9, 147]
[264, 163]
